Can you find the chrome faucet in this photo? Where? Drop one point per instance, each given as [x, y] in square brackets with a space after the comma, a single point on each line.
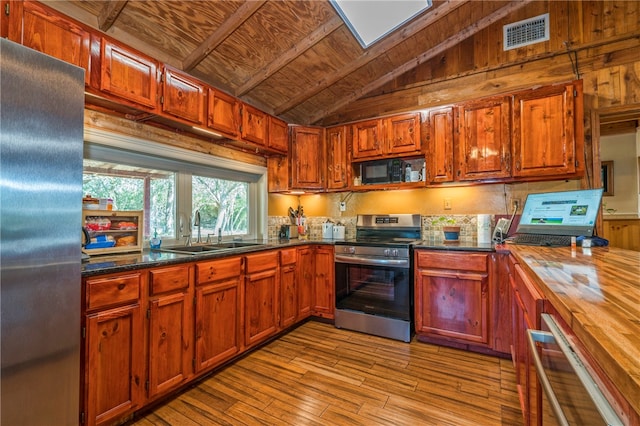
[196, 222]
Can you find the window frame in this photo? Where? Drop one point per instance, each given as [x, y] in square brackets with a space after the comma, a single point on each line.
[126, 149]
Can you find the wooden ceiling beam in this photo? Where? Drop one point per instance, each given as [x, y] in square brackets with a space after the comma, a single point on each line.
[231, 24]
[307, 43]
[422, 58]
[373, 52]
[109, 13]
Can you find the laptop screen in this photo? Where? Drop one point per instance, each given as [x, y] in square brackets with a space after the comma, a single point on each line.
[571, 213]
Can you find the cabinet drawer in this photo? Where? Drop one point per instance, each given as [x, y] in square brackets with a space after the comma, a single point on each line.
[531, 298]
[262, 261]
[216, 270]
[111, 291]
[168, 279]
[462, 261]
[288, 256]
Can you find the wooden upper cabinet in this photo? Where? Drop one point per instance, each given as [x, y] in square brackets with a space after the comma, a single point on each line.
[482, 145]
[40, 28]
[223, 113]
[337, 158]
[182, 96]
[307, 153]
[254, 125]
[128, 74]
[367, 139]
[277, 173]
[278, 135]
[544, 136]
[403, 134]
[440, 146]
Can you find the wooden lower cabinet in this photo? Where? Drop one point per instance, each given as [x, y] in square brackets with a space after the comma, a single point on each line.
[170, 322]
[452, 296]
[152, 331]
[288, 288]
[527, 306]
[217, 312]
[305, 276]
[261, 297]
[324, 282]
[113, 355]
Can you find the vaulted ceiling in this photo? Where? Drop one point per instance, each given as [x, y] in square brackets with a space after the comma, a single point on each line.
[295, 59]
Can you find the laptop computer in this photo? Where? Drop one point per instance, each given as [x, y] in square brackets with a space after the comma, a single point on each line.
[552, 218]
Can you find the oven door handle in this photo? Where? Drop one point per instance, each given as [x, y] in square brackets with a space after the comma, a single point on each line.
[354, 260]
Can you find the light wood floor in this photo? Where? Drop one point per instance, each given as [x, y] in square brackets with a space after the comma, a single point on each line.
[320, 375]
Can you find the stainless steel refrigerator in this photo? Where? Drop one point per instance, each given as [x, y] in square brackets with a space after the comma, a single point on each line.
[41, 136]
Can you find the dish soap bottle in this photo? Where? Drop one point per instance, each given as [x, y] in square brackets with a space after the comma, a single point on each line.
[155, 242]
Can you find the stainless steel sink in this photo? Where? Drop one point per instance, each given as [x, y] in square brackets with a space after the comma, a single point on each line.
[198, 249]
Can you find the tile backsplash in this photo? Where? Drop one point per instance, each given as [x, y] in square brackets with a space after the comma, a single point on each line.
[431, 226]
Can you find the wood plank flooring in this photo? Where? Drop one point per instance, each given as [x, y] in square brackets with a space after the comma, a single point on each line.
[320, 375]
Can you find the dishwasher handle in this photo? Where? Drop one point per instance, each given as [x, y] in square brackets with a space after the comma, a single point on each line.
[542, 336]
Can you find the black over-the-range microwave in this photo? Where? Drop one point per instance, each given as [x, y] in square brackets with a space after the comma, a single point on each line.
[382, 171]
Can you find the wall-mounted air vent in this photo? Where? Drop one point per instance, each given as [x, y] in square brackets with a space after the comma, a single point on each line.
[524, 33]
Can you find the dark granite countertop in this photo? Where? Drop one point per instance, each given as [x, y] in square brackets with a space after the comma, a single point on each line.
[121, 262]
[440, 244]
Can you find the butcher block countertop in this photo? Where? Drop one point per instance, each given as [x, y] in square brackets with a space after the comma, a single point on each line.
[597, 292]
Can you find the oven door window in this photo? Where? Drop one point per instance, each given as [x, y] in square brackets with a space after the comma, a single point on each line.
[375, 290]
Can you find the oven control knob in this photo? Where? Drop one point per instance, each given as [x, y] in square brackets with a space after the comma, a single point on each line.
[350, 250]
[394, 252]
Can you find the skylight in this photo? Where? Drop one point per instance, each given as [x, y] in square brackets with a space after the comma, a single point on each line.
[372, 20]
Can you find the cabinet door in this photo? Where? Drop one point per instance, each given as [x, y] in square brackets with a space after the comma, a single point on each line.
[223, 113]
[337, 160]
[440, 146]
[114, 373]
[38, 27]
[288, 296]
[217, 323]
[170, 316]
[543, 137]
[483, 148]
[367, 139]
[324, 283]
[182, 96]
[307, 154]
[453, 305]
[254, 125]
[452, 296]
[128, 75]
[278, 135]
[277, 173]
[260, 306]
[403, 134]
[305, 280]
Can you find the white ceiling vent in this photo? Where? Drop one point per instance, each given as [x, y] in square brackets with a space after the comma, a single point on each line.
[524, 33]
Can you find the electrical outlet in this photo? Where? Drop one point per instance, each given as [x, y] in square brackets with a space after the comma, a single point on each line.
[447, 203]
[515, 203]
[343, 206]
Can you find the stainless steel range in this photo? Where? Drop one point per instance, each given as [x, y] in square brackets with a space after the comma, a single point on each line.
[374, 276]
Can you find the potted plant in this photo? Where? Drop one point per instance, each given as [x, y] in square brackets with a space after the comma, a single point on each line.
[450, 230]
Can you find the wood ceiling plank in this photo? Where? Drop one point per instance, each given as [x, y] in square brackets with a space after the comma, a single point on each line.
[109, 13]
[425, 56]
[372, 53]
[243, 13]
[288, 56]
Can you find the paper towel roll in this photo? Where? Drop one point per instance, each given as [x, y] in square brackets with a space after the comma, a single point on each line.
[484, 228]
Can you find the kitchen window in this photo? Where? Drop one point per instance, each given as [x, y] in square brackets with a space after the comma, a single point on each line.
[171, 184]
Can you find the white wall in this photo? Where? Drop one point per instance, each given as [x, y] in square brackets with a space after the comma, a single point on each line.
[623, 151]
